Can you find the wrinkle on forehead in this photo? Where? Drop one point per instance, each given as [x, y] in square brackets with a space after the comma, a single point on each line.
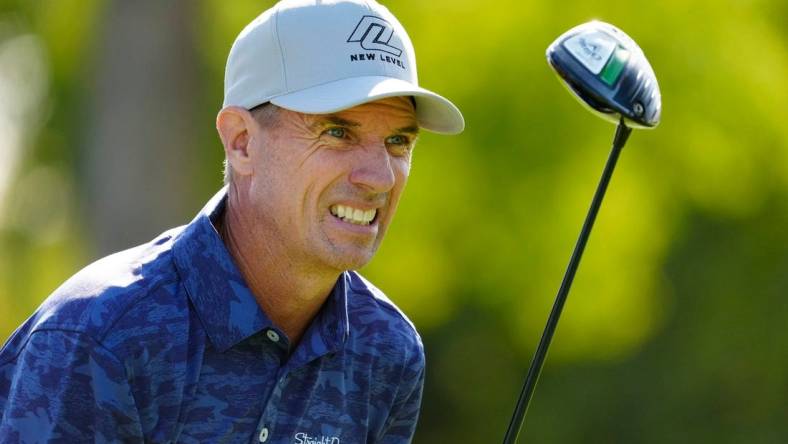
[399, 108]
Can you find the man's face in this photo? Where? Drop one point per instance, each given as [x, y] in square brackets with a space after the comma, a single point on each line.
[325, 187]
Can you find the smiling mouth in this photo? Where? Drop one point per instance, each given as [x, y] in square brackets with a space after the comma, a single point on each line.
[355, 216]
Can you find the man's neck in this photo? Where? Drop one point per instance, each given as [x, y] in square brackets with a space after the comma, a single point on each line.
[289, 294]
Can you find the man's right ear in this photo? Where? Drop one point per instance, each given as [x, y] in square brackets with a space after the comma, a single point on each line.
[234, 124]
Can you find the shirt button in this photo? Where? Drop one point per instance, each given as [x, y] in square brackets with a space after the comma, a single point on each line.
[264, 434]
[272, 335]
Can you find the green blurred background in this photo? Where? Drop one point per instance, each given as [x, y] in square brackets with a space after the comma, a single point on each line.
[677, 324]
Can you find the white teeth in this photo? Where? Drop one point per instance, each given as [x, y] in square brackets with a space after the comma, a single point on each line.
[353, 215]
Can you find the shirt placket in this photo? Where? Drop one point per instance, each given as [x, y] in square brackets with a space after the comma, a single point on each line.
[266, 425]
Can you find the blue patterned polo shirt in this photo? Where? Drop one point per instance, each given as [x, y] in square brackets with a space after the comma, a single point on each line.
[165, 343]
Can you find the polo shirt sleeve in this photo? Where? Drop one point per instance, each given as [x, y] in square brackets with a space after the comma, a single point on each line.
[401, 424]
[63, 386]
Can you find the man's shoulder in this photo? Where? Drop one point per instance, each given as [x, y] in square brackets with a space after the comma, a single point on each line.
[377, 316]
[99, 299]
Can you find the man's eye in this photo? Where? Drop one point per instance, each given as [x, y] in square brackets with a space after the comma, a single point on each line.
[398, 140]
[337, 132]
[399, 145]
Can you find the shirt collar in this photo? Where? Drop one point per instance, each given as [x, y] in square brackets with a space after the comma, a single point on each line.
[330, 328]
[223, 301]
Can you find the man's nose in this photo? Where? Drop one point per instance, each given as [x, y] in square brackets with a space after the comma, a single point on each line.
[373, 170]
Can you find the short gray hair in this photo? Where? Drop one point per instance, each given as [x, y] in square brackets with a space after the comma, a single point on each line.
[266, 115]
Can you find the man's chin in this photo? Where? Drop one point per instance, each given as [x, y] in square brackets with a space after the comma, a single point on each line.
[351, 260]
[352, 264]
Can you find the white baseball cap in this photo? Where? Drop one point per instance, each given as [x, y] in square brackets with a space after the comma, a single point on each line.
[324, 56]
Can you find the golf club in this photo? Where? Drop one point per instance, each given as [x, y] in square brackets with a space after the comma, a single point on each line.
[607, 72]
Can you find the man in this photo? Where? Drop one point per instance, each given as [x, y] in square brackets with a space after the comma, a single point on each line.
[245, 325]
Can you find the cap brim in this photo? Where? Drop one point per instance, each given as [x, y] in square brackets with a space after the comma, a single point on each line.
[433, 112]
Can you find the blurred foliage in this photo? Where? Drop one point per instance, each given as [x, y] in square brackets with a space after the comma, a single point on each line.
[675, 329]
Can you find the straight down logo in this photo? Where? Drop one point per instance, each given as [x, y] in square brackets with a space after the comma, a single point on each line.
[374, 34]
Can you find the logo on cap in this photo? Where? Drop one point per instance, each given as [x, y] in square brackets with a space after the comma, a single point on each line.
[374, 34]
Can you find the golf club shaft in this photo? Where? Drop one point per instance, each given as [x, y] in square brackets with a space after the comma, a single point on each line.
[622, 133]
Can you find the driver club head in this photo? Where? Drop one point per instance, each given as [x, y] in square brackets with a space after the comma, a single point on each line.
[608, 72]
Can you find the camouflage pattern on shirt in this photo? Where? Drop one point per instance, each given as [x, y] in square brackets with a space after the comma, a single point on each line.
[165, 343]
